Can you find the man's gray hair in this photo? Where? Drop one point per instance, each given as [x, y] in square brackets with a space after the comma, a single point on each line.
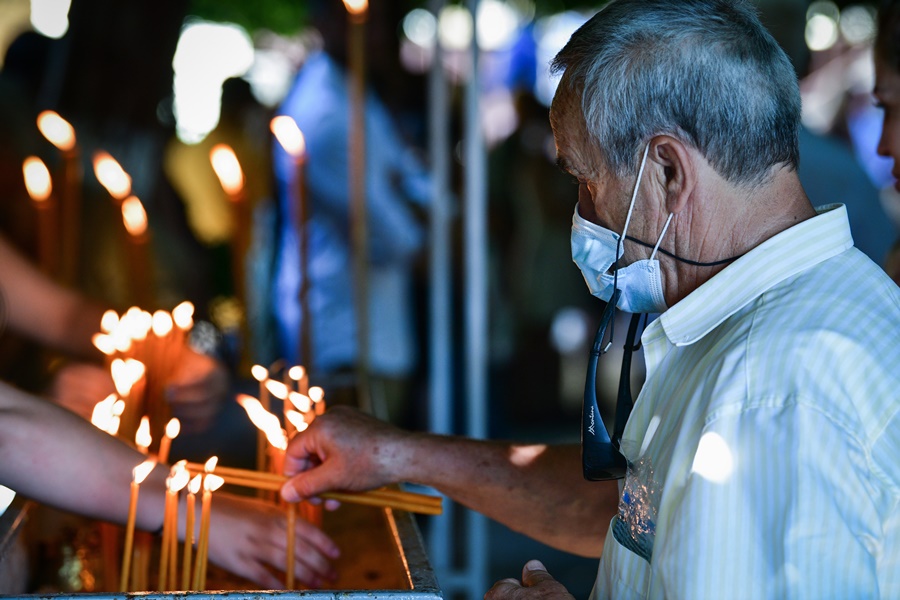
[703, 71]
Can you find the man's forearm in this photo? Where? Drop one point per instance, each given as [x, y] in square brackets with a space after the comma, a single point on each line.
[534, 489]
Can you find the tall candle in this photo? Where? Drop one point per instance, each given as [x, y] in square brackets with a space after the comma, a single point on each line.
[193, 489]
[40, 189]
[261, 374]
[210, 484]
[173, 428]
[61, 134]
[134, 219]
[178, 478]
[138, 475]
[291, 139]
[291, 535]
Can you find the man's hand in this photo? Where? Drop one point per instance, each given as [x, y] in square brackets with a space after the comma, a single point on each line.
[343, 449]
[536, 584]
[250, 536]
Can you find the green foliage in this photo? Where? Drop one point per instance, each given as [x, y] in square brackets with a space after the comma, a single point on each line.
[281, 16]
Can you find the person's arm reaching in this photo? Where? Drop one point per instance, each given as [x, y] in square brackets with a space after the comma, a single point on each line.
[537, 490]
[52, 456]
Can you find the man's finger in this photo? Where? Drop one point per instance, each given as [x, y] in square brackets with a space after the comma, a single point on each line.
[503, 589]
[534, 572]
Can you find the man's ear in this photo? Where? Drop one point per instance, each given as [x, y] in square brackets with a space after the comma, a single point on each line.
[679, 171]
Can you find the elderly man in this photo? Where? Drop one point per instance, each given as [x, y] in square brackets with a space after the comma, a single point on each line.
[761, 451]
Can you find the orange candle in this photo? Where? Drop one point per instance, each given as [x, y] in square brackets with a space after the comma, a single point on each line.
[134, 218]
[261, 374]
[173, 428]
[40, 189]
[193, 489]
[175, 482]
[291, 535]
[138, 475]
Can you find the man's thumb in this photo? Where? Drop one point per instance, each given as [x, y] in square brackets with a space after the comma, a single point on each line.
[535, 572]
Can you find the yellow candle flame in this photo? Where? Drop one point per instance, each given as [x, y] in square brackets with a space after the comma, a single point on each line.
[300, 401]
[183, 315]
[109, 321]
[288, 135]
[102, 415]
[267, 422]
[111, 175]
[227, 168]
[142, 438]
[212, 482]
[316, 394]
[356, 7]
[194, 485]
[277, 389]
[118, 408]
[173, 428]
[57, 130]
[140, 472]
[37, 179]
[259, 372]
[162, 323]
[134, 216]
[104, 343]
[178, 477]
[296, 373]
[296, 420]
[210, 464]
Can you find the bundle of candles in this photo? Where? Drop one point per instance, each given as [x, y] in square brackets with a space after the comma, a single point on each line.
[142, 351]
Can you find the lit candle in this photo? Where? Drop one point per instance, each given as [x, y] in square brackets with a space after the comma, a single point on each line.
[142, 438]
[61, 134]
[193, 489]
[175, 482]
[112, 176]
[211, 483]
[317, 395]
[231, 177]
[261, 374]
[173, 428]
[40, 189]
[138, 475]
[357, 13]
[291, 139]
[134, 218]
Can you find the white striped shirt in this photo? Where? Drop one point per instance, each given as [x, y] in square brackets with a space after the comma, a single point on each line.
[771, 421]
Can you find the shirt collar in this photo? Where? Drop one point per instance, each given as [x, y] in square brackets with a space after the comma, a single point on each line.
[778, 258]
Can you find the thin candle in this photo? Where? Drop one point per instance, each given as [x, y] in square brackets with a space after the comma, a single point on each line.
[193, 490]
[210, 484]
[173, 428]
[175, 482]
[134, 219]
[317, 395]
[61, 134]
[261, 374]
[40, 188]
[138, 475]
[112, 176]
[291, 535]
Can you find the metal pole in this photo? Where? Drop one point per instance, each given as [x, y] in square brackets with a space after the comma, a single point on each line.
[476, 299]
[440, 368]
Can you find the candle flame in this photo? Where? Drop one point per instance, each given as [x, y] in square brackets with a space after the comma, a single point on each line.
[277, 389]
[57, 130]
[288, 135]
[37, 179]
[162, 323]
[316, 394]
[134, 216]
[300, 401]
[173, 428]
[183, 315]
[296, 420]
[296, 373]
[227, 168]
[356, 7]
[104, 343]
[178, 477]
[259, 372]
[118, 408]
[194, 486]
[109, 321]
[210, 464]
[265, 421]
[102, 415]
[212, 482]
[111, 175]
[140, 472]
[142, 438]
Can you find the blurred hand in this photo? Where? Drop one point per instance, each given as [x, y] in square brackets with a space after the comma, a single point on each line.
[80, 386]
[536, 584]
[250, 534]
[343, 449]
[196, 390]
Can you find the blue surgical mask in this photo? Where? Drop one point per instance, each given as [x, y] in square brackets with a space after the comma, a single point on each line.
[595, 249]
